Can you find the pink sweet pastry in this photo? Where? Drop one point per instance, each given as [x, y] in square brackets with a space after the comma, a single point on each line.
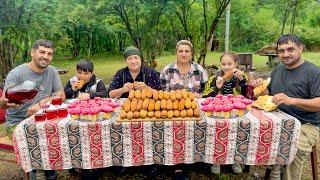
[230, 95]
[240, 97]
[206, 101]
[219, 96]
[114, 104]
[74, 112]
[107, 108]
[72, 105]
[240, 107]
[246, 101]
[107, 111]
[207, 109]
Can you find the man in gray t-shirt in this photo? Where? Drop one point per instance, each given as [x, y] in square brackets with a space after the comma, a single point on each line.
[295, 86]
[38, 71]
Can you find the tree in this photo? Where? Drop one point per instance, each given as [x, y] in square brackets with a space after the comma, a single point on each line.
[220, 8]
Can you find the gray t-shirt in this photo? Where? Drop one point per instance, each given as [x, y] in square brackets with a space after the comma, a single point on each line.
[301, 82]
[47, 81]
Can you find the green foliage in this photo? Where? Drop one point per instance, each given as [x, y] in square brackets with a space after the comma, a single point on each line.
[83, 29]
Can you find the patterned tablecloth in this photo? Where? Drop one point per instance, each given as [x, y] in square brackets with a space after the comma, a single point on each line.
[258, 138]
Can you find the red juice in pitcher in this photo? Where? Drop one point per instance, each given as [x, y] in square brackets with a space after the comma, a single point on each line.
[62, 112]
[20, 97]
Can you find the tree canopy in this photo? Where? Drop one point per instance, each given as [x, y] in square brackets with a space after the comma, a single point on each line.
[83, 28]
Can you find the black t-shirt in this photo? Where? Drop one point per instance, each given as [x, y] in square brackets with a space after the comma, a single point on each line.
[301, 82]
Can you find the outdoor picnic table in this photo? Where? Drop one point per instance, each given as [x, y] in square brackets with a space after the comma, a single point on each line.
[257, 138]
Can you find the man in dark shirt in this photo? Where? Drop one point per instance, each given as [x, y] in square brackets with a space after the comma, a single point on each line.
[134, 76]
[295, 86]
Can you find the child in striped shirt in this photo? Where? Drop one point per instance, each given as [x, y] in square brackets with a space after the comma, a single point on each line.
[228, 80]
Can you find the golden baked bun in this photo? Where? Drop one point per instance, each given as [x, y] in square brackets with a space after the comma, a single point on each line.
[126, 105]
[155, 95]
[157, 114]
[80, 84]
[260, 89]
[144, 93]
[137, 94]
[123, 114]
[149, 93]
[131, 94]
[170, 114]
[228, 75]
[178, 94]
[129, 115]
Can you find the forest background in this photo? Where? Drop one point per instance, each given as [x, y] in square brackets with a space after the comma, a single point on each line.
[96, 28]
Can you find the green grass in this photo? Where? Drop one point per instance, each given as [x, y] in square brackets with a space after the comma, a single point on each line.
[106, 66]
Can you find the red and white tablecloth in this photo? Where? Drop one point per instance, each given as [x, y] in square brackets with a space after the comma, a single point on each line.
[258, 138]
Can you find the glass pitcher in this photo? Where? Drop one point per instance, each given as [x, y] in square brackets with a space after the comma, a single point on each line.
[21, 93]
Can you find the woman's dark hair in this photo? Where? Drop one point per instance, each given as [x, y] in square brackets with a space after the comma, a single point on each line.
[233, 55]
[85, 65]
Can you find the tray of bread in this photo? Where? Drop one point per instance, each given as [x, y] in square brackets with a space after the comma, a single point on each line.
[154, 105]
[264, 103]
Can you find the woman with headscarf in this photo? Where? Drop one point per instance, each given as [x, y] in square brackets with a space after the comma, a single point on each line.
[134, 76]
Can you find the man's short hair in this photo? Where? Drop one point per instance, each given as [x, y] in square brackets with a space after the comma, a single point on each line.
[43, 42]
[284, 39]
[85, 65]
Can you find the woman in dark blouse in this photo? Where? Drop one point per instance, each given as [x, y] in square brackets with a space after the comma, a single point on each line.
[134, 76]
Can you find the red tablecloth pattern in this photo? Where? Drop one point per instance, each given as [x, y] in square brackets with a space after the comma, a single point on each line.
[258, 138]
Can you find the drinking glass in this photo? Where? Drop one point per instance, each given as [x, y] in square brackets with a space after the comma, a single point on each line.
[40, 117]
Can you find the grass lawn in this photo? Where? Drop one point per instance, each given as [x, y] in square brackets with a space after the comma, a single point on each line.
[106, 66]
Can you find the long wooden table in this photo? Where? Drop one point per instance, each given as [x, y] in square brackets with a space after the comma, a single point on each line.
[258, 138]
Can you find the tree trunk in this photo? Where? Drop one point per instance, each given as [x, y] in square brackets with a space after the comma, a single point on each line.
[90, 43]
[285, 18]
[213, 27]
[294, 14]
[7, 54]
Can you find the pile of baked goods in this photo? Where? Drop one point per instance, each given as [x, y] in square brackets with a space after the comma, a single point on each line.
[265, 103]
[93, 109]
[153, 104]
[226, 106]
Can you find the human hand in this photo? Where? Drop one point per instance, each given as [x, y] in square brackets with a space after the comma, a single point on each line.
[238, 74]
[197, 95]
[33, 109]
[77, 85]
[257, 82]
[282, 99]
[140, 85]
[84, 96]
[219, 82]
[4, 103]
[127, 87]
